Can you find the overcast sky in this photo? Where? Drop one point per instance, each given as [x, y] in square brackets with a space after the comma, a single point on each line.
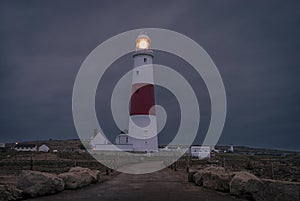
[254, 44]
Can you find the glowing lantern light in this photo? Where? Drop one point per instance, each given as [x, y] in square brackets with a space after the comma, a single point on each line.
[143, 42]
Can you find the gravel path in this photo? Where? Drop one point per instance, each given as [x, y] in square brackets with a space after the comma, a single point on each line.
[162, 185]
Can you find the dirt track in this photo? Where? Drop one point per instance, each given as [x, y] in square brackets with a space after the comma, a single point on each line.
[162, 185]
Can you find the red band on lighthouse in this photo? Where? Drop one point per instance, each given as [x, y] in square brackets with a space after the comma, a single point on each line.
[142, 99]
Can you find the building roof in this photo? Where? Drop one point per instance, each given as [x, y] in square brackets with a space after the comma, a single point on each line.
[44, 145]
[20, 146]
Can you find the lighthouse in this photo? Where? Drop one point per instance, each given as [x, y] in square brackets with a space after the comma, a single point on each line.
[142, 122]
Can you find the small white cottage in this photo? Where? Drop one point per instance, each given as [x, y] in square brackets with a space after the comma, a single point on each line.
[98, 139]
[44, 148]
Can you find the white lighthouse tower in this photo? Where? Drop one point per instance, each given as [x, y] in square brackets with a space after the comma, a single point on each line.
[142, 123]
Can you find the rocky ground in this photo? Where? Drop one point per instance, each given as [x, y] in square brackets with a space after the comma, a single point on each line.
[245, 185]
[278, 166]
[30, 183]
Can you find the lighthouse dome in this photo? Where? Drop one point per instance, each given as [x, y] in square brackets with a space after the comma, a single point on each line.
[143, 41]
[143, 35]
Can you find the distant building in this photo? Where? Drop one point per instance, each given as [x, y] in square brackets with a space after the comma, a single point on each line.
[215, 150]
[122, 143]
[231, 149]
[200, 151]
[71, 150]
[98, 139]
[174, 148]
[10, 145]
[44, 148]
[2, 145]
[26, 147]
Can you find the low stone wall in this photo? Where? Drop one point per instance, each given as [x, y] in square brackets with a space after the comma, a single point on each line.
[245, 185]
[34, 183]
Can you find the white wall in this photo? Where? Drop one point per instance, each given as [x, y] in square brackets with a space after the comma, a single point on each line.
[200, 151]
[26, 149]
[113, 147]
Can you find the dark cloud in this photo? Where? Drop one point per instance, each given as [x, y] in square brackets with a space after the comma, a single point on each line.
[254, 44]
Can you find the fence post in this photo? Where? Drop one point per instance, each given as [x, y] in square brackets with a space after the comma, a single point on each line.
[175, 166]
[31, 163]
[188, 164]
[223, 162]
[272, 166]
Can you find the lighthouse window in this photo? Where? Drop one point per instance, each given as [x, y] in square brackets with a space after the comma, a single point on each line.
[137, 72]
[145, 60]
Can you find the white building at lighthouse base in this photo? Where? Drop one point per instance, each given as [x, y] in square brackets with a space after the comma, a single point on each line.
[123, 142]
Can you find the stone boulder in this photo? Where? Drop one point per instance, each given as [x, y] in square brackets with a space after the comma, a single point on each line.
[276, 190]
[72, 180]
[246, 185]
[95, 174]
[78, 177]
[9, 192]
[191, 175]
[35, 183]
[212, 177]
[198, 174]
[197, 178]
